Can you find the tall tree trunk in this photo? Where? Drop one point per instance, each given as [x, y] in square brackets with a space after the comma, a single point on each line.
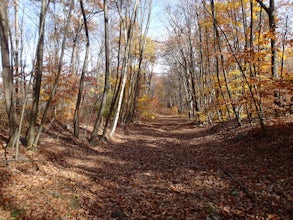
[271, 12]
[203, 69]
[116, 87]
[107, 75]
[185, 66]
[31, 132]
[196, 104]
[128, 37]
[142, 42]
[84, 69]
[7, 74]
[74, 52]
[216, 50]
[284, 41]
[59, 70]
[16, 52]
[256, 104]
[236, 113]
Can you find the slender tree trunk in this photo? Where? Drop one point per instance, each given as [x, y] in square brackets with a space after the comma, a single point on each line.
[272, 24]
[209, 74]
[271, 12]
[7, 74]
[201, 64]
[129, 102]
[128, 37]
[74, 52]
[31, 132]
[216, 49]
[236, 113]
[116, 87]
[188, 78]
[256, 104]
[251, 39]
[283, 47]
[25, 98]
[84, 69]
[196, 105]
[59, 70]
[16, 53]
[142, 42]
[107, 75]
[123, 83]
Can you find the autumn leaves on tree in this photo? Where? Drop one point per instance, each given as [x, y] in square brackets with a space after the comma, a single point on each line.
[93, 64]
[110, 82]
[226, 59]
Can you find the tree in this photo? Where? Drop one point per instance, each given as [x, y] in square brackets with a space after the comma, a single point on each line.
[142, 44]
[59, 70]
[221, 57]
[128, 34]
[31, 132]
[84, 69]
[219, 49]
[7, 74]
[107, 75]
[271, 11]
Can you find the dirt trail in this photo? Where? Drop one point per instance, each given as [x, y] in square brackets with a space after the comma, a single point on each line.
[165, 169]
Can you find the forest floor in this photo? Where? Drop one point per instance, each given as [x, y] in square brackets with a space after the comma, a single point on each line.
[165, 169]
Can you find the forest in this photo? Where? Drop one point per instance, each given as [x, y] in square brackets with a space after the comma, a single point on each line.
[146, 109]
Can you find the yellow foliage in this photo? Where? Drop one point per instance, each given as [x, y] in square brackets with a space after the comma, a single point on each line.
[94, 90]
[147, 107]
[202, 116]
[150, 50]
[234, 73]
[148, 116]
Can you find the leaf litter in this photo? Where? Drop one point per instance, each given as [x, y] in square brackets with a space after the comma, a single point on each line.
[165, 169]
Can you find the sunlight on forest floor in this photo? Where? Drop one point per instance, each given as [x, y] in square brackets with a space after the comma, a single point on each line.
[166, 168]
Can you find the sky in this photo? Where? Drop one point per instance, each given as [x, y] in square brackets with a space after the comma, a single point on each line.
[157, 29]
[158, 20]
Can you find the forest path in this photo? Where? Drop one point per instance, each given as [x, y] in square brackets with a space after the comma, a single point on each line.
[163, 169]
[163, 174]
[170, 168]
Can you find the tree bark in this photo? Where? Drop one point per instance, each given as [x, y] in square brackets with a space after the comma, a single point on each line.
[31, 132]
[128, 37]
[116, 87]
[271, 12]
[74, 52]
[7, 74]
[59, 70]
[142, 41]
[236, 113]
[16, 52]
[107, 75]
[216, 50]
[84, 69]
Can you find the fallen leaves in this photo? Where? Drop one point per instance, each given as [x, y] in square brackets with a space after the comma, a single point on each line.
[167, 169]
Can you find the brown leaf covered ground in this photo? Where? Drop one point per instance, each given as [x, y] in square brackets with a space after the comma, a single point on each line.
[166, 169]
